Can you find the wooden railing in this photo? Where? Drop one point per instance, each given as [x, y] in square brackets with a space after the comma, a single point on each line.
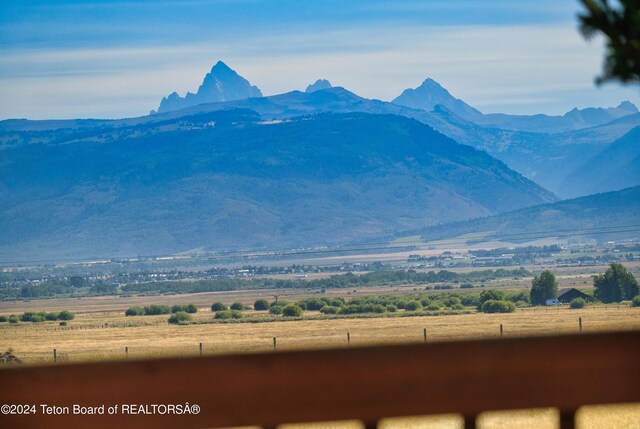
[368, 384]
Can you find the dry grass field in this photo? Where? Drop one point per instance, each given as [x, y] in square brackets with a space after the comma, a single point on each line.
[101, 331]
[34, 344]
[105, 334]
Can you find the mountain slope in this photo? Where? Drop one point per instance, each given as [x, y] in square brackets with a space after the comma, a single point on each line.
[431, 94]
[607, 216]
[220, 84]
[615, 167]
[243, 183]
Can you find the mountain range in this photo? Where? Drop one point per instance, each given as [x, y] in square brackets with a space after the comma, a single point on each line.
[229, 180]
[431, 94]
[228, 168]
[220, 84]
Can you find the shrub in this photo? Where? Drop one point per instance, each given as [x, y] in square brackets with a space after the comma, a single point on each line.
[491, 294]
[261, 304]
[276, 309]
[37, 318]
[155, 309]
[635, 302]
[498, 306]
[312, 303]
[66, 315]
[52, 316]
[329, 309]
[413, 306]
[26, 316]
[218, 306]
[292, 310]
[228, 314]
[451, 301]
[435, 306]
[63, 323]
[457, 307]
[134, 311]
[13, 318]
[578, 303]
[4, 319]
[391, 308]
[180, 318]
[238, 306]
[187, 308]
[466, 286]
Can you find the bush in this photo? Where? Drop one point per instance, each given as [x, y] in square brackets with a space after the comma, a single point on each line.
[457, 307]
[292, 310]
[329, 309]
[313, 303]
[498, 306]
[635, 302]
[13, 318]
[578, 303]
[451, 301]
[4, 319]
[27, 316]
[435, 306]
[62, 323]
[155, 309]
[466, 286]
[238, 306]
[52, 316]
[261, 304]
[180, 318]
[187, 308]
[276, 309]
[228, 314]
[37, 318]
[218, 306]
[413, 306]
[491, 294]
[134, 311]
[391, 308]
[66, 315]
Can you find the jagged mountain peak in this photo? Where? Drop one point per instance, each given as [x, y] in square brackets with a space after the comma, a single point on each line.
[222, 83]
[629, 106]
[318, 85]
[431, 94]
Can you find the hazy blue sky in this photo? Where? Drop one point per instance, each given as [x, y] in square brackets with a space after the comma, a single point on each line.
[62, 59]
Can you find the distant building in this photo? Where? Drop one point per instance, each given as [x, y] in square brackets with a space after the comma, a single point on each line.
[567, 295]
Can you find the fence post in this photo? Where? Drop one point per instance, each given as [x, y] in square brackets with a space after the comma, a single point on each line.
[200, 349]
[580, 322]
[501, 329]
[425, 335]
[55, 356]
[274, 343]
[348, 338]
[126, 352]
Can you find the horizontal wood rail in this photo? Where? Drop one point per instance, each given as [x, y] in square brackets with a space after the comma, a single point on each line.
[354, 383]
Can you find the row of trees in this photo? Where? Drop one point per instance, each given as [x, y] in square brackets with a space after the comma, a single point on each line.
[615, 285]
[156, 309]
[39, 316]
